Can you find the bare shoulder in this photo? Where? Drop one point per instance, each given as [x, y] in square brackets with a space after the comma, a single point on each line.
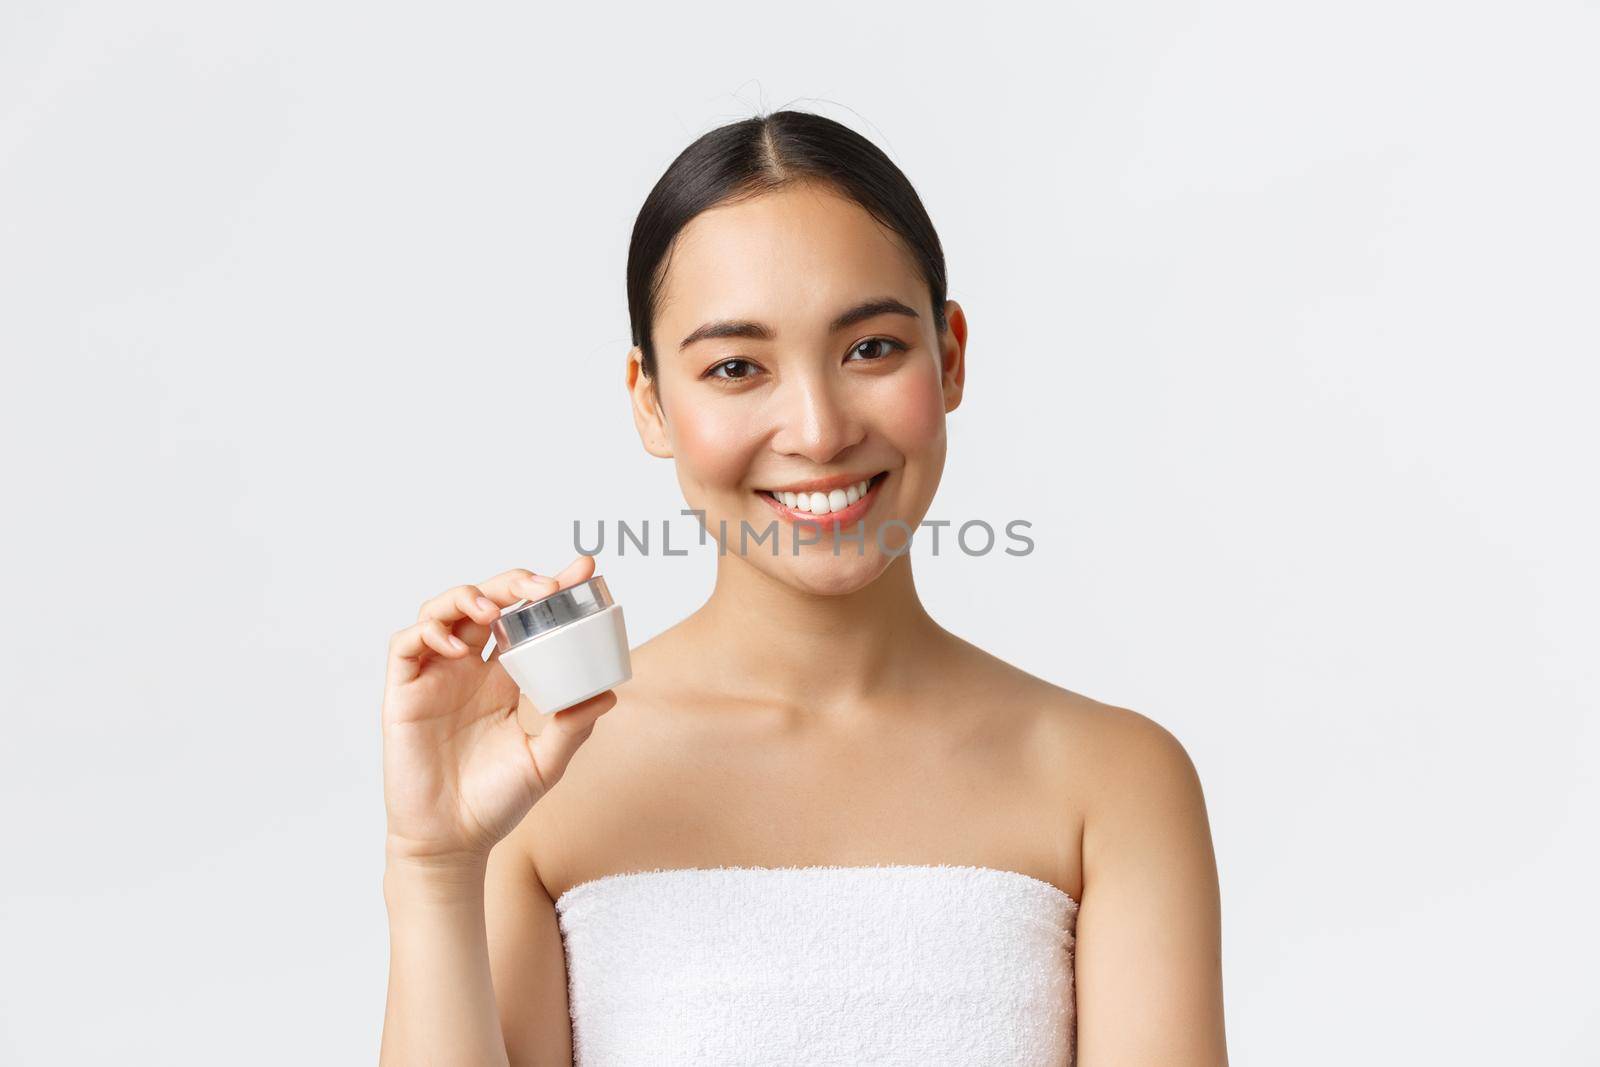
[1139, 807]
[1129, 754]
[1138, 790]
[1112, 754]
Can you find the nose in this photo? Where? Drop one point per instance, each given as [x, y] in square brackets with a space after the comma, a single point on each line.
[817, 419]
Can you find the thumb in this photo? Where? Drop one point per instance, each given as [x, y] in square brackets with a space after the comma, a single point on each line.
[555, 738]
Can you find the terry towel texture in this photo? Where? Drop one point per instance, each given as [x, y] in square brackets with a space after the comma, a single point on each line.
[913, 965]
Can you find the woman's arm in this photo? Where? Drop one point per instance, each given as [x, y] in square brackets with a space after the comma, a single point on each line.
[441, 1006]
[1149, 956]
[526, 955]
[476, 970]
[460, 775]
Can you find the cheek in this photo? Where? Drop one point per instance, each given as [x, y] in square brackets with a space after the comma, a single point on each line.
[910, 413]
[714, 445]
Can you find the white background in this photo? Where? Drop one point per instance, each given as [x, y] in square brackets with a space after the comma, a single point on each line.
[1283, 336]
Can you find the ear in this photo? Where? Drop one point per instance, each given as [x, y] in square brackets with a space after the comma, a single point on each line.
[648, 417]
[953, 355]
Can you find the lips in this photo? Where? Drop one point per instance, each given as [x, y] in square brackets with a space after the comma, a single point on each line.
[845, 516]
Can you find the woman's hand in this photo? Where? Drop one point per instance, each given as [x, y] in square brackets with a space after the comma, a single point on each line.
[459, 772]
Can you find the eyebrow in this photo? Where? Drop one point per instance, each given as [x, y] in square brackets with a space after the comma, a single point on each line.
[886, 305]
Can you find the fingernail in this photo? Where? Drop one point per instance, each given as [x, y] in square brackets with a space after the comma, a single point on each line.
[485, 604]
[456, 643]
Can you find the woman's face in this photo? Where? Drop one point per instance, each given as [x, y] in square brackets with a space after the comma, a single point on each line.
[796, 345]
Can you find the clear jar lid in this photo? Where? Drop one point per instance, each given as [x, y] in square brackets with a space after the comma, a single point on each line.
[525, 620]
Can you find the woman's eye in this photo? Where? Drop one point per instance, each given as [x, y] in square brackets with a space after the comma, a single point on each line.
[889, 344]
[871, 350]
[727, 363]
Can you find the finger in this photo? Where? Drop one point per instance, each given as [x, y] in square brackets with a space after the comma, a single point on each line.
[461, 609]
[526, 586]
[409, 648]
[538, 586]
[518, 583]
[579, 570]
[563, 733]
[457, 603]
[515, 589]
[535, 722]
[469, 609]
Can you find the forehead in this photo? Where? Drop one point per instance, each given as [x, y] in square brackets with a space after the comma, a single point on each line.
[798, 254]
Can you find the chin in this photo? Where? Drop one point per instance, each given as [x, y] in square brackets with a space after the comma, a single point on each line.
[817, 570]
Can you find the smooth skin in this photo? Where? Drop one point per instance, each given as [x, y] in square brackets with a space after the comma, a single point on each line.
[810, 712]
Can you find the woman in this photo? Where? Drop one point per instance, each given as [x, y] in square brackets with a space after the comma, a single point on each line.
[815, 826]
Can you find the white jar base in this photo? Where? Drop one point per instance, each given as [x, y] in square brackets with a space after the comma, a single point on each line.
[573, 663]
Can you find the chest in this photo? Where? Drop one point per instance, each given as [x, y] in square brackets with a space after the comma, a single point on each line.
[769, 789]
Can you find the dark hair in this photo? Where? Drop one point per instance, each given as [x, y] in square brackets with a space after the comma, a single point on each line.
[753, 156]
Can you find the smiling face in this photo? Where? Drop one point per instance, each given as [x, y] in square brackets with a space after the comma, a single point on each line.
[797, 352]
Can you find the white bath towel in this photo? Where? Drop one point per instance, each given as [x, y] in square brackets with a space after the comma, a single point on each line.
[914, 965]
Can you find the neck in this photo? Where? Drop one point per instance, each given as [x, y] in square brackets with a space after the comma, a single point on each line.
[773, 643]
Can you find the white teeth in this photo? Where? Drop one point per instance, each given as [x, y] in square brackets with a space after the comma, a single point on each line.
[824, 503]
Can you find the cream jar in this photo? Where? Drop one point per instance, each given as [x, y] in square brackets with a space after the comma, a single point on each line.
[564, 648]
